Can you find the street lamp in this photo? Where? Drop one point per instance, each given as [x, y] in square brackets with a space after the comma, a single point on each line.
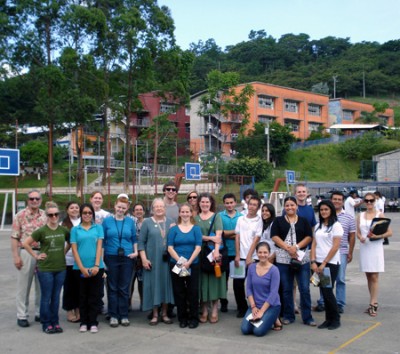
[267, 134]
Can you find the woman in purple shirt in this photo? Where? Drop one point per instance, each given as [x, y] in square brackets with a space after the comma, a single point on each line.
[262, 287]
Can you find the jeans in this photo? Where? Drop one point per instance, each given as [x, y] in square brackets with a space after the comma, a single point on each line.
[268, 319]
[119, 275]
[240, 294]
[303, 281]
[50, 285]
[340, 284]
[186, 293]
[25, 276]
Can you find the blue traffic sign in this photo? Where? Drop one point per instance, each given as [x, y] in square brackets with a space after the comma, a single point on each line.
[290, 177]
[192, 171]
[9, 162]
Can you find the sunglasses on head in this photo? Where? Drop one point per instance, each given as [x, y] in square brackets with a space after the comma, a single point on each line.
[369, 200]
[170, 189]
[87, 213]
[34, 198]
[52, 215]
[192, 197]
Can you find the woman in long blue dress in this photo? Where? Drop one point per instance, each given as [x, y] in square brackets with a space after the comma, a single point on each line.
[157, 284]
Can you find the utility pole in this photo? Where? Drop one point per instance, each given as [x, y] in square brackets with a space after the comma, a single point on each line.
[364, 84]
[335, 80]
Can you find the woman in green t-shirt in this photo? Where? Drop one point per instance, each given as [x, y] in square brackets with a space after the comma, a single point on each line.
[51, 266]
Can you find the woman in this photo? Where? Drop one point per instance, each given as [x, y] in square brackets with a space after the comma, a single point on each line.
[372, 260]
[191, 199]
[211, 287]
[138, 214]
[262, 285]
[96, 199]
[184, 240]
[325, 255]
[157, 284]
[51, 266]
[120, 252]
[71, 283]
[291, 234]
[87, 246]
[268, 215]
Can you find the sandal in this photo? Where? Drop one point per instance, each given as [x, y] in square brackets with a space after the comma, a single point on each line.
[372, 310]
[286, 322]
[203, 318]
[166, 320]
[153, 321]
[277, 327]
[214, 318]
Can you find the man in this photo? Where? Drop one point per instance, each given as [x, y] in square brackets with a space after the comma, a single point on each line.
[25, 222]
[229, 218]
[248, 233]
[171, 206]
[352, 202]
[247, 194]
[346, 250]
[304, 210]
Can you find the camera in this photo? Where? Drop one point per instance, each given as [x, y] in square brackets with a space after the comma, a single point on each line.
[295, 264]
[121, 252]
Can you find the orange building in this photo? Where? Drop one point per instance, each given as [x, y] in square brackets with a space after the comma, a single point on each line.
[302, 111]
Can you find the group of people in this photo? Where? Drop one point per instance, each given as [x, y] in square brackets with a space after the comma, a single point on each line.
[92, 250]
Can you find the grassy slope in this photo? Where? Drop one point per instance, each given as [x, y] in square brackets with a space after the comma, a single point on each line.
[322, 163]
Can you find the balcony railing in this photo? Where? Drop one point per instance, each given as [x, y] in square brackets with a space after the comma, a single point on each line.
[137, 122]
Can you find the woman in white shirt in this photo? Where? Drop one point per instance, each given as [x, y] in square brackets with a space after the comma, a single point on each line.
[325, 255]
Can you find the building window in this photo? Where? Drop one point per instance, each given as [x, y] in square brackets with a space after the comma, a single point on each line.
[265, 119]
[347, 115]
[187, 111]
[293, 125]
[265, 101]
[314, 110]
[166, 107]
[187, 128]
[291, 106]
[314, 127]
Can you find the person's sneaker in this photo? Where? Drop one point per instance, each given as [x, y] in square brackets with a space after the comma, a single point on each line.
[49, 330]
[335, 325]
[324, 324]
[22, 323]
[340, 309]
[94, 329]
[125, 322]
[37, 318]
[240, 314]
[319, 308]
[83, 328]
[58, 329]
[113, 322]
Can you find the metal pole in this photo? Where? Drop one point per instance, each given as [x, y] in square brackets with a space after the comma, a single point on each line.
[209, 126]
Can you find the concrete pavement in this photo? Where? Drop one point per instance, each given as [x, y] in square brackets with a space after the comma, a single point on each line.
[359, 333]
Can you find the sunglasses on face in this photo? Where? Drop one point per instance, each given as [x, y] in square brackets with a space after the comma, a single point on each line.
[192, 197]
[369, 200]
[170, 189]
[52, 215]
[87, 213]
[34, 198]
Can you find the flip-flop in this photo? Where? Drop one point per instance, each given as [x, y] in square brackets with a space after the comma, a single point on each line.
[277, 328]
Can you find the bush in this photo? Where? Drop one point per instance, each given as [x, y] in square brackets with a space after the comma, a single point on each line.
[250, 166]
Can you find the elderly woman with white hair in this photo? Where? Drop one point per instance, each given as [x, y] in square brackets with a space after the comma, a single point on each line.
[157, 283]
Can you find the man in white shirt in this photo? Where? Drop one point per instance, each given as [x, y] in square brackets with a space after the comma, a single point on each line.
[248, 233]
[352, 202]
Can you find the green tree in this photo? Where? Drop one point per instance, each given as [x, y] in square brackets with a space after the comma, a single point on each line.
[250, 166]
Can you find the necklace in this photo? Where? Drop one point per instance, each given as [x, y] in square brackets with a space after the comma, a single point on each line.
[289, 221]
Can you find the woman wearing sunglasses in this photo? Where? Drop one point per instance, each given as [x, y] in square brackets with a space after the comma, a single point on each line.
[191, 198]
[51, 266]
[87, 242]
[371, 252]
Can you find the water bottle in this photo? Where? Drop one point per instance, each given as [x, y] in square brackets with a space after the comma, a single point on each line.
[217, 270]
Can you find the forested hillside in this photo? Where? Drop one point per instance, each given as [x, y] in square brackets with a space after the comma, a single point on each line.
[299, 62]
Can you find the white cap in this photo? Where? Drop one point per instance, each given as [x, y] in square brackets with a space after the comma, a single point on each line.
[123, 195]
